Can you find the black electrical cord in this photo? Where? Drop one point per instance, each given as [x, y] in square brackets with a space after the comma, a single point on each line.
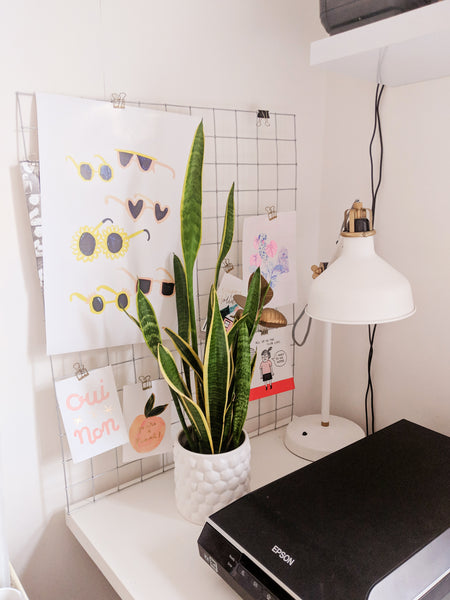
[369, 398]
[307, 329]
[376, 129]
[369, 404]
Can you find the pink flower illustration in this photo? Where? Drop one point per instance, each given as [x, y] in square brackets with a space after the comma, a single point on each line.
[255, 260]
[271, 248]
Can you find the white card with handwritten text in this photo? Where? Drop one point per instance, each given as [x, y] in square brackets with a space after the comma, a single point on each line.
[91, 413]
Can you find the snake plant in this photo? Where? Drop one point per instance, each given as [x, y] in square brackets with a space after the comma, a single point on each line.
[211, 395]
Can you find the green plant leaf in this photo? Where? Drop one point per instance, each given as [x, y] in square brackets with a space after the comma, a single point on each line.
[216, 369]
[242, 379]
[148, 322]
[197, 418]
[191, 221]
[252, 303]
[187, 430]
[181, 297]
[253, 363]
[157, 410]
[191, 202]
[227, 233]
[210, 307]
[135, 321]
[170, 372]
[232, 332]
[149, 405]
[185, 351]
[227, 429]
[182, 304]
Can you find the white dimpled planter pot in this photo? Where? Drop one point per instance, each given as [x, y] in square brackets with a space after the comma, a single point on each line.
[205, 483]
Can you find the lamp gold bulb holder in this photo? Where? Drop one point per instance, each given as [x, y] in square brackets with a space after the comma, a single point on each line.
[358, 221]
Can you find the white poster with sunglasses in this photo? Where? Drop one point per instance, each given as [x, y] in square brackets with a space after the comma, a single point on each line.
[111, 185]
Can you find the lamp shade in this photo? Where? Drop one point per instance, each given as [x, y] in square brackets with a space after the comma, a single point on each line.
[359, 287]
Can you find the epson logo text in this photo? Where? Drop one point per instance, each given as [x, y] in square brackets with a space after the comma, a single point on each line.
[283, 555]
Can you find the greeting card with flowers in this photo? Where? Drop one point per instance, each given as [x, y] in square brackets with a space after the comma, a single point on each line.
[271, 246]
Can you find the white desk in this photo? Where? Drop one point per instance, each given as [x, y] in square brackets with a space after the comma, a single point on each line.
[143, 546]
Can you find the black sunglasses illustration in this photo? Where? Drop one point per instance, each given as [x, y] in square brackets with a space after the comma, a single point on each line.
[145, 284]
[146, 163]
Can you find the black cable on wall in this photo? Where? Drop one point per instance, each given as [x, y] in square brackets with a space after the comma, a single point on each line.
[377, 133]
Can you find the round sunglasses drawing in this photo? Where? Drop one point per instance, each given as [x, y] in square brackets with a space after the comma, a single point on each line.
[136, 206]
[86, 171]
[88, 243]
[145, 162]
[97, 302]
[145, 284]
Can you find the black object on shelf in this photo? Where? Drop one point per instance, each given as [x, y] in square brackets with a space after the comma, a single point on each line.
[341, 15]
[371, 521]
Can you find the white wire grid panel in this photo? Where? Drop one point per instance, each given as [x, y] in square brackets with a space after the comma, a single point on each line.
[260, 156]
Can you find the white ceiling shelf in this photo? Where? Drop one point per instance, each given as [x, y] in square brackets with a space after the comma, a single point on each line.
[410, 47]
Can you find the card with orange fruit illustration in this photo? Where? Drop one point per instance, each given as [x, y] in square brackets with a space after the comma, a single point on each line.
[147, 415]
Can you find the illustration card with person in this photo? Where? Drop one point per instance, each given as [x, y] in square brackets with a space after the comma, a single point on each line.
[91, 413]
[274, 366]
[111, 185]
[229, 288]
[147, 414]
[271, 246]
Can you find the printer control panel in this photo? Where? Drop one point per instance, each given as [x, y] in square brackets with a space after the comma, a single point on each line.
[245, 577]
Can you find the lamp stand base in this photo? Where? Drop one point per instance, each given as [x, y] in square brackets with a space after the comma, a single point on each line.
[308, 438]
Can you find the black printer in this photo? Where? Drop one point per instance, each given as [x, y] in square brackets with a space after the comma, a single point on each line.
[369, 522]
[340, 15]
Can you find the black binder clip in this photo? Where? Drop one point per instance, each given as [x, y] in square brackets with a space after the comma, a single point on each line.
[263, 114]
[118, 100]
[227, 265]
[146, 382]
[80, 371]
[271, 212]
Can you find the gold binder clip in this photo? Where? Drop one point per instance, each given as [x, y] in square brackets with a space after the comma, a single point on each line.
[118, 100]
[80, 371]
[227, 265]
[271, 212]
[146, 382]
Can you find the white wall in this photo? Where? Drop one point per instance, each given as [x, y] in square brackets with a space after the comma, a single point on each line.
[248, 55]
[411, 361]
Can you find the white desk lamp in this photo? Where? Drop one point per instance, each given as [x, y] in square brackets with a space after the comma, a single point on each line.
[357, 288]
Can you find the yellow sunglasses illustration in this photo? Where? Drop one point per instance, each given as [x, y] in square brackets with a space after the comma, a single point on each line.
[97, 302]
[86, 171]
[145, 162]
[88, 243]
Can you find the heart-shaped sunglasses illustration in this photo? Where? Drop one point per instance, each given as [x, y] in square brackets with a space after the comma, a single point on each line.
[136, 206]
